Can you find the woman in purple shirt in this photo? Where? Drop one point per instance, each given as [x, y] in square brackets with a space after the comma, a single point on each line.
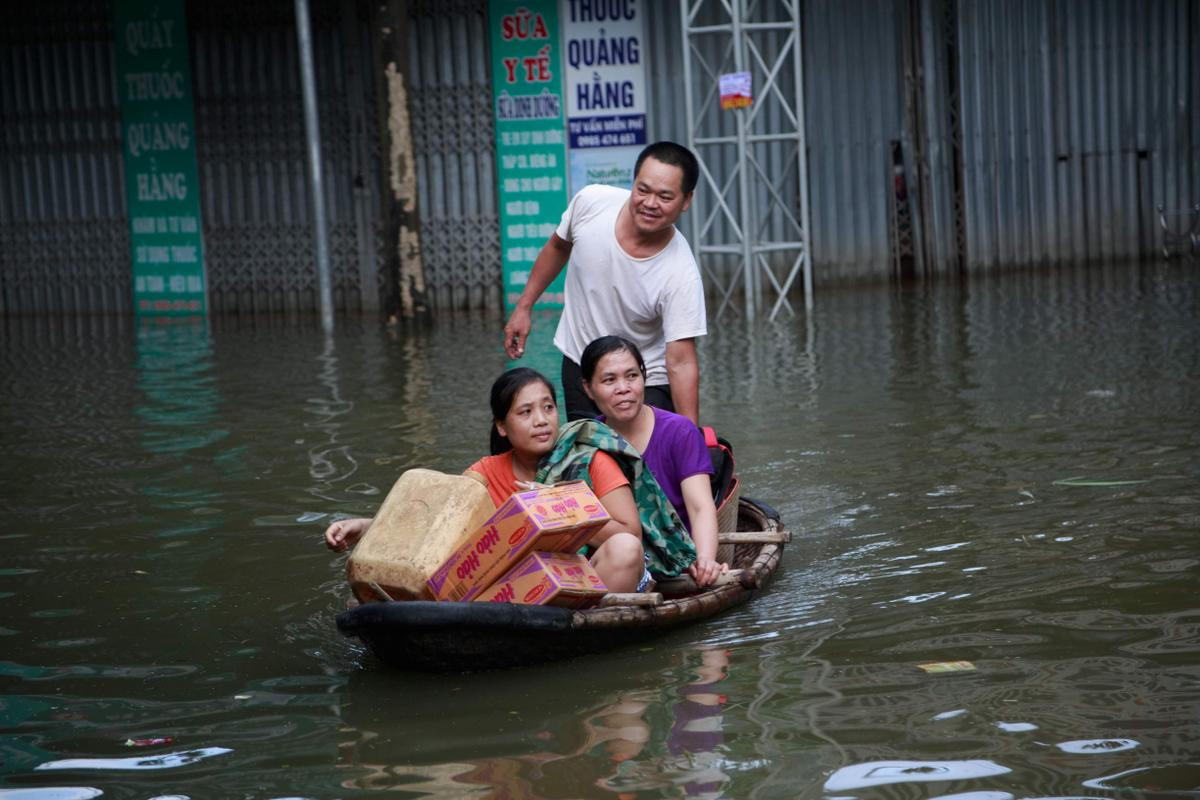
[614, 377]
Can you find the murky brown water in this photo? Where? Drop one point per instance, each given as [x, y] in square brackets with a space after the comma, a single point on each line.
[1004, 473]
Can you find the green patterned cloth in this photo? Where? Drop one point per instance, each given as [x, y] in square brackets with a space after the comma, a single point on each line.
[669, 548]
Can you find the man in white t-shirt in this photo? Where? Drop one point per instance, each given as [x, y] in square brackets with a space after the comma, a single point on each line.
[632, 274]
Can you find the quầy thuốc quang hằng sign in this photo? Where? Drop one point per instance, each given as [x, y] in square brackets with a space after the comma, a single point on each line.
[606, 90]
[159, 148]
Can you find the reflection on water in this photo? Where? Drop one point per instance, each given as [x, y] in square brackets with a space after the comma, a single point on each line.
[1001, 472]
[621, 746]
[330, 462]
[181, 401]
[178, 415]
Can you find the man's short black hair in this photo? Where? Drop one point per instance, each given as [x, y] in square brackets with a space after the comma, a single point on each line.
[677, 156]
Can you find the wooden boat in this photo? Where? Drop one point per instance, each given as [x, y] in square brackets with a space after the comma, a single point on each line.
[452, 637]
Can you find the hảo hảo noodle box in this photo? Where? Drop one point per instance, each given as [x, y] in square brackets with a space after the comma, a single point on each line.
[551, 579]
[556, 519]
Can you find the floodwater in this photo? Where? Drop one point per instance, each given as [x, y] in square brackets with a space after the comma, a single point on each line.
[1002, 473]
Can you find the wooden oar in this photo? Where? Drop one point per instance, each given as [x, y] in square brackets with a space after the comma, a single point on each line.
[632, 599]
[754, 537]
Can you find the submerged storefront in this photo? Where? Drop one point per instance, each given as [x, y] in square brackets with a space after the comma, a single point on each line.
[942, 138]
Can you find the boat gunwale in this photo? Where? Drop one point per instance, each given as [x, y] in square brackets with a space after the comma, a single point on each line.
[692, 606]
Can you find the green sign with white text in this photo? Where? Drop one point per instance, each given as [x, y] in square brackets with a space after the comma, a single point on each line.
[531, 148]
[154, 84]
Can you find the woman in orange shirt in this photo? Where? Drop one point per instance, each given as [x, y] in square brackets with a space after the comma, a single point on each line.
[525, 428]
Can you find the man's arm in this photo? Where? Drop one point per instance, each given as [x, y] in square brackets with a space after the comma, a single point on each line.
[683, 374]
[549, 263]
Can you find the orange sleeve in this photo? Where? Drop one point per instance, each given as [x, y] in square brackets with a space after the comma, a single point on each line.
[606, 475]
[497, 474]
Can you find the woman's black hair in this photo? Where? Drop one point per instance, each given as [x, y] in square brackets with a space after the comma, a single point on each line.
[504, 391]
[599, 348]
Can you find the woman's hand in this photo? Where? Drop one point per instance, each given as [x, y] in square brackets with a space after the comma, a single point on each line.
[705, 571]
[526, 486]
[345, 532]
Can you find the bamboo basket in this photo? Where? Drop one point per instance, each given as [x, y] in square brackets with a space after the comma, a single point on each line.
[727, 519]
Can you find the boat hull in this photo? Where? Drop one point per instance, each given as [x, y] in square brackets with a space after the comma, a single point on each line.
[453, 637]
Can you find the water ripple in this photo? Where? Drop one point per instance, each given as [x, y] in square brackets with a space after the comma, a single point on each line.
[1169, 779]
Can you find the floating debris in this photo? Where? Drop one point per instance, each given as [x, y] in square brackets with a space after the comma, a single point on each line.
[164, 761]
[935, 667]
[1088, 746]
[153, 741]
[958, 712]
[1080, 480]
[878, 773]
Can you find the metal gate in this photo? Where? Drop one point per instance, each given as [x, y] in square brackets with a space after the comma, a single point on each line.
[63, 231]
[64, 239]
[453, 138]
[251, 151]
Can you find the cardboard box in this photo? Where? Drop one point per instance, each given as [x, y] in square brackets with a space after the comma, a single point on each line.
[558, 519]
[550, 579]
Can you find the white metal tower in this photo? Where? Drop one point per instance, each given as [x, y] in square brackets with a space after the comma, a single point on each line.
[752, 203]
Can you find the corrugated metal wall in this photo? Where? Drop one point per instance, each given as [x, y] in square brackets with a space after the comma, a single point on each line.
[1079, 118]
[1032, 132]
[934, 131]
[854, 108]
[64, 242]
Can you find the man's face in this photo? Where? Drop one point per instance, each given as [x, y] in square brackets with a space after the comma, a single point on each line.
[658, 198]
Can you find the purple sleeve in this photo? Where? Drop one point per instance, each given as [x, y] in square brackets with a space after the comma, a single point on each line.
[676, 451]
[692, 453]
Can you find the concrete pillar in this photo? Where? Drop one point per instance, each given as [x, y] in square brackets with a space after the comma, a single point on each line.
[403, 262]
